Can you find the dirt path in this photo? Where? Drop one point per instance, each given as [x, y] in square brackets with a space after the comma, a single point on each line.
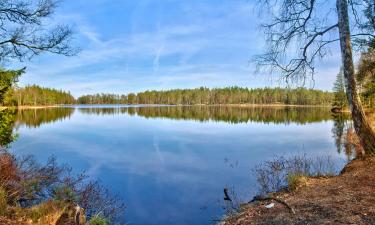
[345, 199]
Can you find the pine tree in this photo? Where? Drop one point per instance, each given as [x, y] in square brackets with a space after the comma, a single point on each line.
[339, 101]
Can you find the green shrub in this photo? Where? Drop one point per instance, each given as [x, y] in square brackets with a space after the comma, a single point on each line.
[65, 193]
[98, 220]
[296, 181]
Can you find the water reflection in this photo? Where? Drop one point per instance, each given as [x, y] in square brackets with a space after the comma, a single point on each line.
[36, 117]
[234, 115]
[345, 138]
[165, 158]
[342, 129]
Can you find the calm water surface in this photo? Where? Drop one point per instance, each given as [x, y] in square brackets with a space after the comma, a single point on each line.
[170, 164]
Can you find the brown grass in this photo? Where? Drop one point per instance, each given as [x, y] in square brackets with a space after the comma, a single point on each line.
[371, 117]
[345, 199]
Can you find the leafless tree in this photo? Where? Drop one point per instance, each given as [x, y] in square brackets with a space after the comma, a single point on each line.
[300, 32]
[24, 32]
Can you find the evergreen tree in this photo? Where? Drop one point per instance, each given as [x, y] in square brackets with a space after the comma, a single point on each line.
[35, 95]
[7, 79]
[7, 119]
[366, 77]
[339, 100]
[216, 96]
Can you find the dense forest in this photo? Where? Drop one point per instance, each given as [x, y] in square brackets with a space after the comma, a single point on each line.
[216, 96]
[37, 96]
[34, 95]
[366, 77]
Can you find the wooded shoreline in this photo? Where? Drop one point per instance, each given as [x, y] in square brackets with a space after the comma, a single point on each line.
[161, 105]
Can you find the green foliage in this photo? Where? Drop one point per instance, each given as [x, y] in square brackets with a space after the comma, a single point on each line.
[36, 96]
[216, 96]
[7, 119]
[7, 79]
[65, 193]
[366, 77]
[340, 100]
[98, 220]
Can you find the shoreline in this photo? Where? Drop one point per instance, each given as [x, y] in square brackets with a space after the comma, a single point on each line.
[30, 107]
[162, 105]
[343, 199]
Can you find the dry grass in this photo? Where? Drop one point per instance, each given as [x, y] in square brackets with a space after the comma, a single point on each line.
[345, 199]
[371, 117]
[47, 213]
[36, 194]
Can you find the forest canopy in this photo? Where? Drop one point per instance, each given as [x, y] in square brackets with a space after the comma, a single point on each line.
[206, 96]
[37, 96]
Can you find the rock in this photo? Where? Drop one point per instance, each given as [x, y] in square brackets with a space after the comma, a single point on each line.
[73, 215]
[269, 206]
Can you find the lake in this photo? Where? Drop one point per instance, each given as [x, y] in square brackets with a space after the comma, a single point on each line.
[170, 164]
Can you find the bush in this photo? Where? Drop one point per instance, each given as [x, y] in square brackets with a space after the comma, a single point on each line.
[281, 172]
[35, 184]
[98, 220]
[296, 181]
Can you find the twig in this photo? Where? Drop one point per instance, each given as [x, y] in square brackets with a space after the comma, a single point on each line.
[260, 198]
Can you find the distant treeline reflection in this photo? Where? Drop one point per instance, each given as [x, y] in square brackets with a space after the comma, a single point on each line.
[284, 115]
[37, 117]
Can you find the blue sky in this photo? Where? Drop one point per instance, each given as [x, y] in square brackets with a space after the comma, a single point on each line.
[136, 45]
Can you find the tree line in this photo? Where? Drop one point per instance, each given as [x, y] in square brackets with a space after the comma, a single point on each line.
[216, 96]
[35, 96]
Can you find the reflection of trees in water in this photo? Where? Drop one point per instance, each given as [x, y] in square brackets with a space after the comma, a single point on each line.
[37, 117]
[284, 115]
[30, 185]
[345, 138]
[10, 118]
[7, 119]
[277, 173]
[339, 124]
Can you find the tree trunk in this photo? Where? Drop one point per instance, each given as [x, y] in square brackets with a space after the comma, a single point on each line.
[362, 127]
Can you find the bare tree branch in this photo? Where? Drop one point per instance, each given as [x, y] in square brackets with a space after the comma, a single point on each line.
[299, 33]
[24, 33]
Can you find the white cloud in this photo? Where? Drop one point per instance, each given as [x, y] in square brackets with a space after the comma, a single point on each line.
[211, 47]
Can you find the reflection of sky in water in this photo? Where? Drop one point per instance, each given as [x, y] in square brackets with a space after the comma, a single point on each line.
[171, 171]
